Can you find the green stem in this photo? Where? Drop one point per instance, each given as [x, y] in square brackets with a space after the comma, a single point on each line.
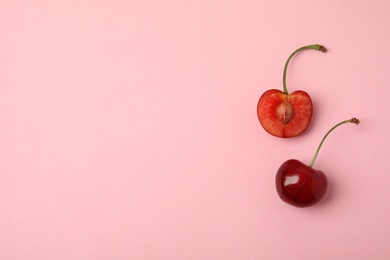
[313, 47]
[353, 120]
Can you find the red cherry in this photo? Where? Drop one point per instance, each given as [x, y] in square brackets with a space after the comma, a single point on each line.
[300, 185]
[286, 115]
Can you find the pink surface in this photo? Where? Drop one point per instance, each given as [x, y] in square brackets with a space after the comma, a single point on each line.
[129, 129]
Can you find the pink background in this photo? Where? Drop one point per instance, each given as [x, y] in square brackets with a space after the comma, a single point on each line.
[129, 129]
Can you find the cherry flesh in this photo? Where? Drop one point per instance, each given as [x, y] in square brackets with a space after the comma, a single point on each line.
[286, 115]
[300, 185]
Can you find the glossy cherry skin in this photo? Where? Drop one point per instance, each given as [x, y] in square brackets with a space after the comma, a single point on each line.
[285, 115]
[300, 185]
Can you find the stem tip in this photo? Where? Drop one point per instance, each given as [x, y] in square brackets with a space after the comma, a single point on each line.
[322, 48]
[355, 121]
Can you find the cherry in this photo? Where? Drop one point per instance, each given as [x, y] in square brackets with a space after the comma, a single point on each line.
[301, 185]
[286, 115]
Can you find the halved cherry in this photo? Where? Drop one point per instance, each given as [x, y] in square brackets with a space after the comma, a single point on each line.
[286, 115]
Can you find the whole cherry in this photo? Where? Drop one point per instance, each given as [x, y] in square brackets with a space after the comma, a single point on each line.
[300, 185]
[286, 115]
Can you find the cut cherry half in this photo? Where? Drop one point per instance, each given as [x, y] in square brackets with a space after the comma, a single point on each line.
[286, 115]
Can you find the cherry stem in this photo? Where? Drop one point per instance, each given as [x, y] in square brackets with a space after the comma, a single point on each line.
[313, 47]
[353, 120]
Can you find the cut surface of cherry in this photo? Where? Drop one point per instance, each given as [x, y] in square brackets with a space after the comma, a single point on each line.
[299, 184]
[286, 115]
